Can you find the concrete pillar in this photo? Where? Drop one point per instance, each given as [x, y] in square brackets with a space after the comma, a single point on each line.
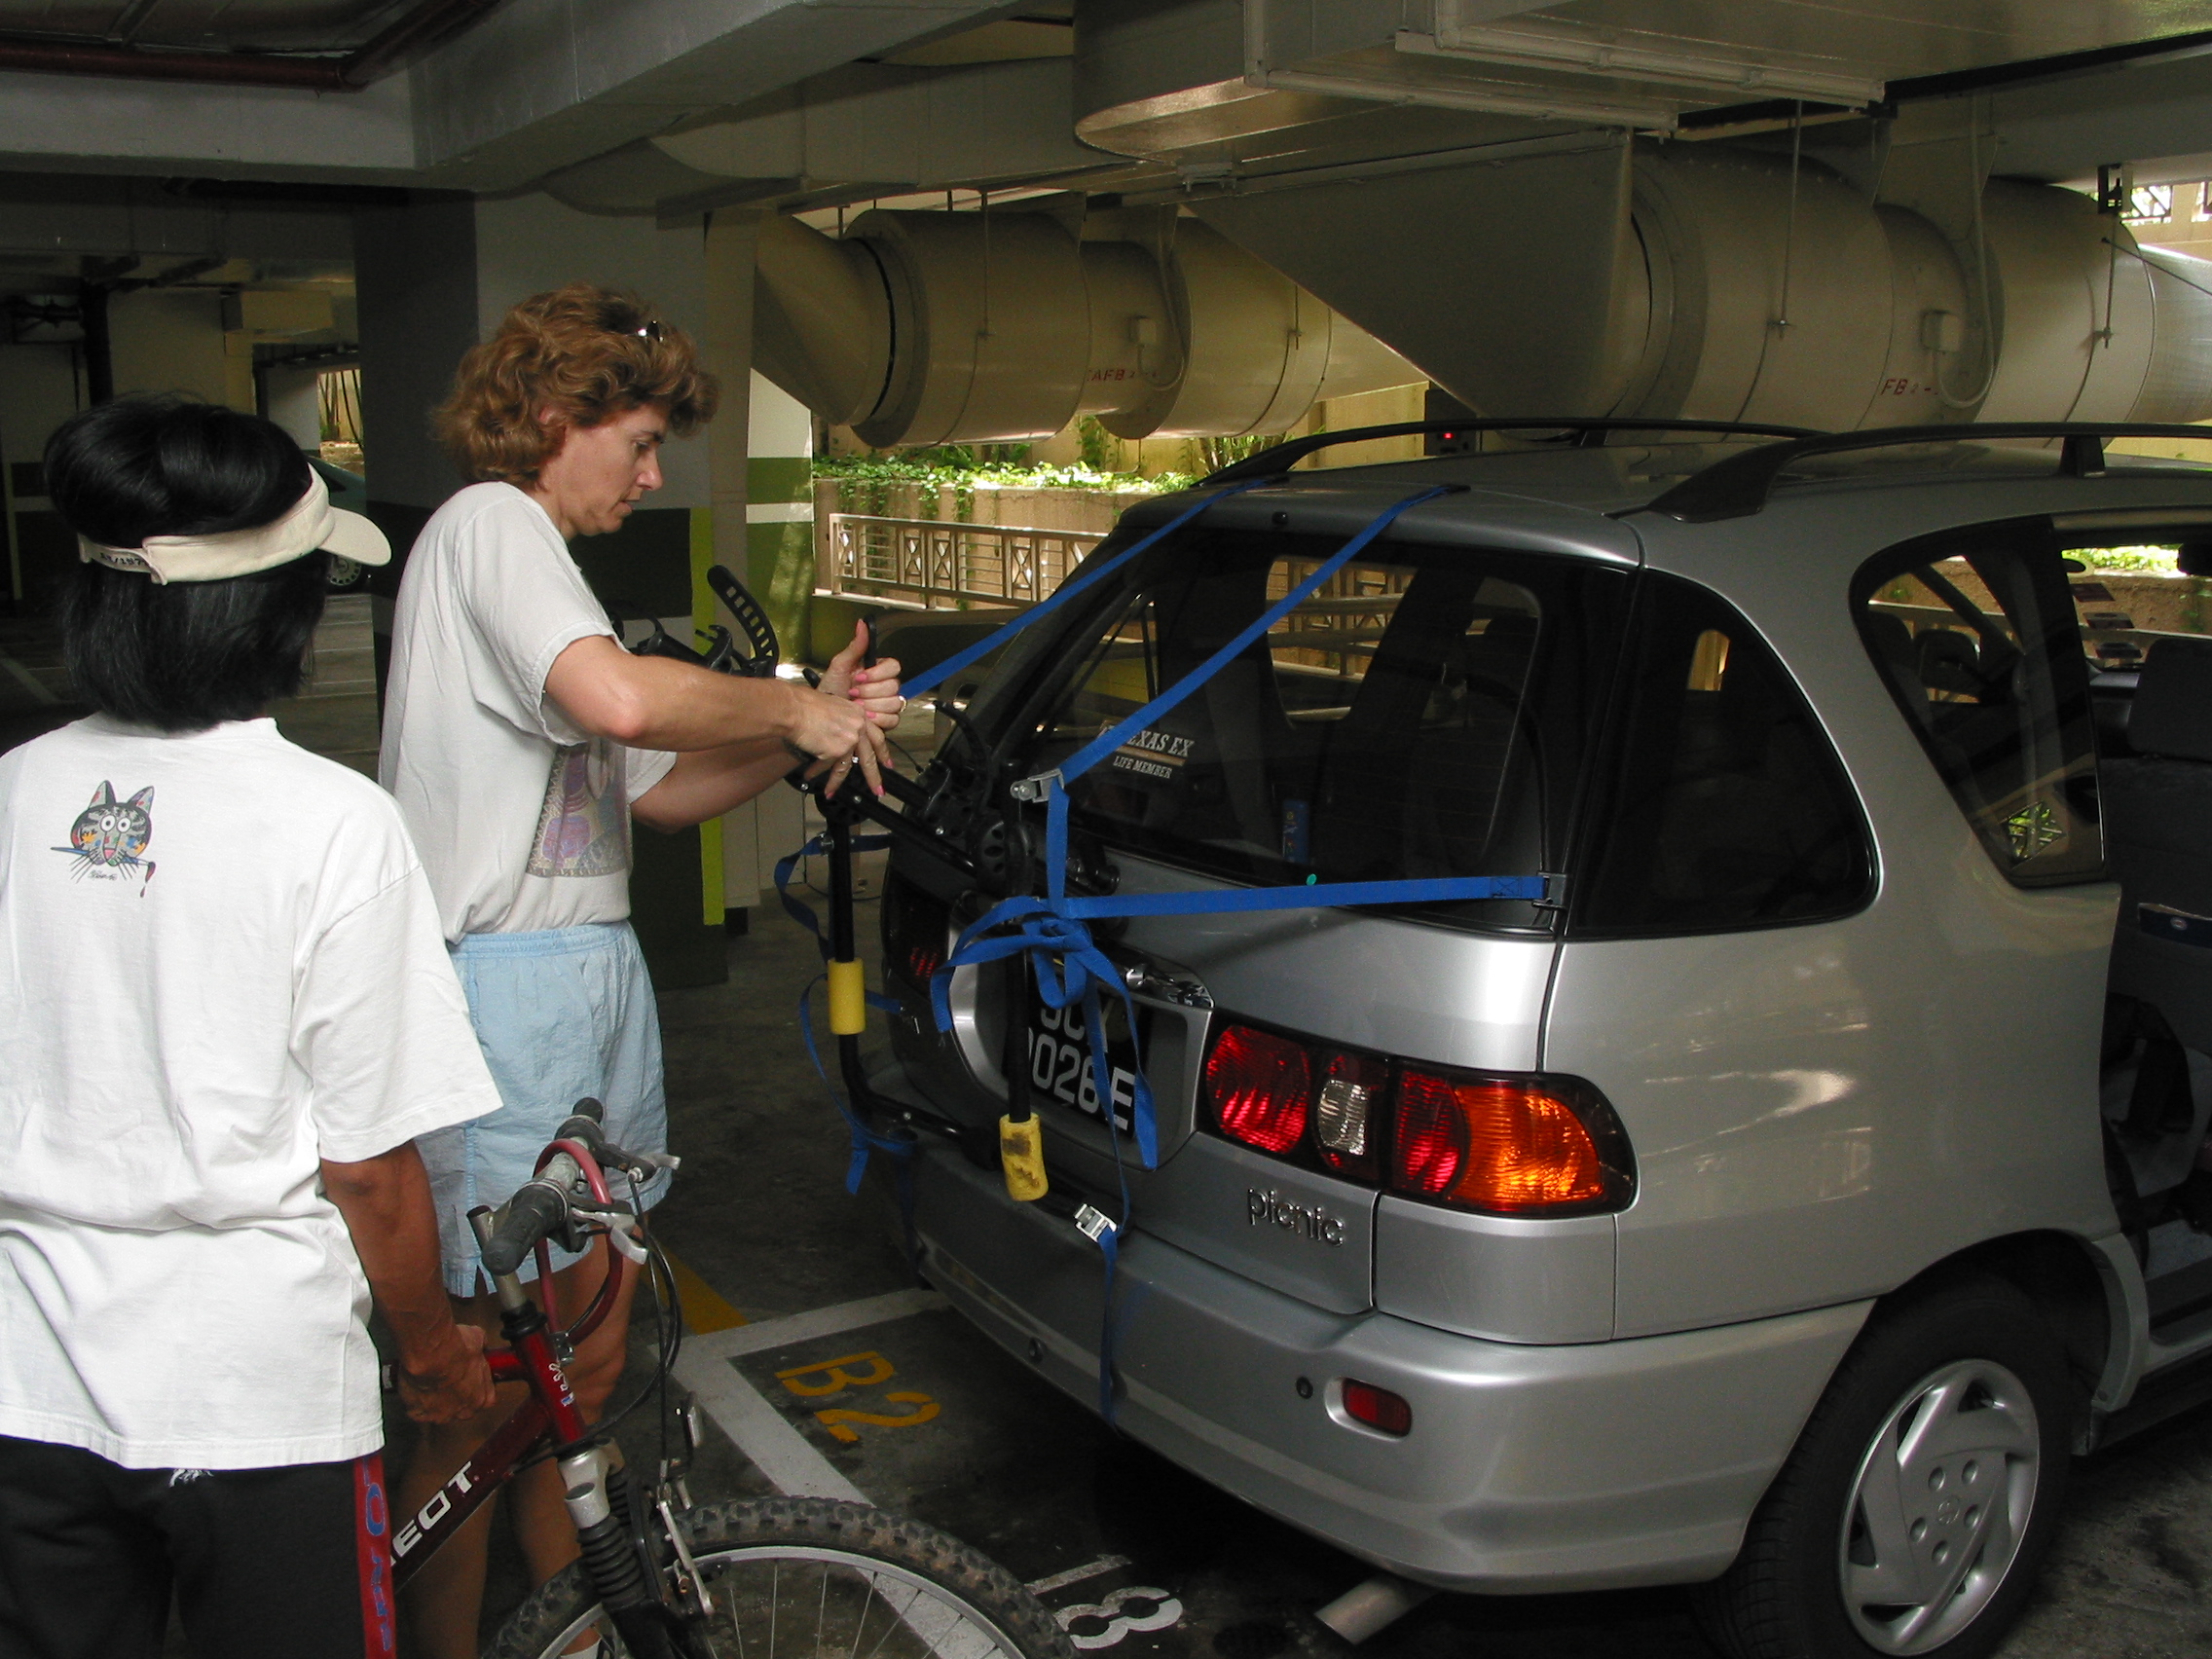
[414, 273]
[779, 516]
[293, 395]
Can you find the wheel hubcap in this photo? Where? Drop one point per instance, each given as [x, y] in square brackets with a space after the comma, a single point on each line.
[1940, 1508]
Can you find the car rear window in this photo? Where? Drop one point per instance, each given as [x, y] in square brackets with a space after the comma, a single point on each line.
[1978, 641]
[1423, 714]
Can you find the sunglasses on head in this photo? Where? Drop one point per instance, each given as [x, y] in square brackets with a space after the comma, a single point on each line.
[650, 331]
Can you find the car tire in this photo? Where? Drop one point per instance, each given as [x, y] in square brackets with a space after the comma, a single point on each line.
[1920, 1500]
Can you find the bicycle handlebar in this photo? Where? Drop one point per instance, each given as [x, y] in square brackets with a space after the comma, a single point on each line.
[532, 1214]
[551, 1204]
[582, 1127]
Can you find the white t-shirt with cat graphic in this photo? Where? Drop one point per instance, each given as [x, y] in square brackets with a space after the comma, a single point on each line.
[523, 819]
[219, 965]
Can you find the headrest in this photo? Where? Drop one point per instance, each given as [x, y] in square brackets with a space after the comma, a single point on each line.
[1888, 636]
[2172, 713]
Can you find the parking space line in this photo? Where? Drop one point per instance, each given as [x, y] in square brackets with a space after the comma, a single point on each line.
[767, 1333]
[704, 1309]
[776, 1447]
[1074, 1574]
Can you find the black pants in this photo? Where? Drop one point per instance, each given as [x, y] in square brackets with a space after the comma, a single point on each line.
[265, 1563]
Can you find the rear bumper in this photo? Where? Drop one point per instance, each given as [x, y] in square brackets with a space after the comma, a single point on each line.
[1529, 1468]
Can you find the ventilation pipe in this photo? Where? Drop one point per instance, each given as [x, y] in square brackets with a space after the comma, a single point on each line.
[1736, 285]
[932, 328]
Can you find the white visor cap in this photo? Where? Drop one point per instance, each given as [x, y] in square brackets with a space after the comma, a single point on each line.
[311, 523]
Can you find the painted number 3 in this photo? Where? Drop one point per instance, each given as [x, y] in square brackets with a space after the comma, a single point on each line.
[1092, 1625]
[855, 1371]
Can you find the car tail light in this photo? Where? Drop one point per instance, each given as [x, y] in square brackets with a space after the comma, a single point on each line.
[1259, 1085]
[1377, 1408]
[914, 929]
[1494, 1144]
[1511, 1144]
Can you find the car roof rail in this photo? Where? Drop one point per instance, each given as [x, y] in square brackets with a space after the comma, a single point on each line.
[1589, 433]
[1738, 486]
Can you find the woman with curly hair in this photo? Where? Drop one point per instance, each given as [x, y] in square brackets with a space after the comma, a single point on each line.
[520, 739]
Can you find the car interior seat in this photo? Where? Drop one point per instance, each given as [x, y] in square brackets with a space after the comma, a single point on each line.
[2156, 807]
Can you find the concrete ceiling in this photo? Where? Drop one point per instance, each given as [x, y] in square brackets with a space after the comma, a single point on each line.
[207, 25]
[669, 106]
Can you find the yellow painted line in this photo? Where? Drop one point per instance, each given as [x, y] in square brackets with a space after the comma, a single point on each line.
[703, 1309]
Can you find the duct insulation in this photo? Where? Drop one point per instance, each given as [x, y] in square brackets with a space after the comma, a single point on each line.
[1729, 285]
[931, 328]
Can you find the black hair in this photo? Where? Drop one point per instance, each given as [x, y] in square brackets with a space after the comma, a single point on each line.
[180, 656]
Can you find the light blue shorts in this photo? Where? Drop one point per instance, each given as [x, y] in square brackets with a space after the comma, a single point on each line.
[559, 1014]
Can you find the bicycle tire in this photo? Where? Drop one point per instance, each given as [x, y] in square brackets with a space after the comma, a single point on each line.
[895, 1563]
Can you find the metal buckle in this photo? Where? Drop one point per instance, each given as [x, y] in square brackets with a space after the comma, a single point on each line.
[1036, 789]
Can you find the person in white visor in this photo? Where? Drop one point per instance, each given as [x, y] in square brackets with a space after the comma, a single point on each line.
[226, 1011]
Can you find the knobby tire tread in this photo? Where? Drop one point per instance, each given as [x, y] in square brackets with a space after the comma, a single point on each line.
[821, 1523]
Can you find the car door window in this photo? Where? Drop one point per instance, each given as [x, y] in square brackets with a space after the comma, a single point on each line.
[1727, 807]
[1977, 641]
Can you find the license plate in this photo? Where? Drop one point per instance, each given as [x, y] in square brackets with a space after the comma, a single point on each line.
[1059, 1059]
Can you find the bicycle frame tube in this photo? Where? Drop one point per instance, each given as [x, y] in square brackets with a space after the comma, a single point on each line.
[550, 1413]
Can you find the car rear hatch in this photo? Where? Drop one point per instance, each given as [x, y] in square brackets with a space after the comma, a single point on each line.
[1425, 713]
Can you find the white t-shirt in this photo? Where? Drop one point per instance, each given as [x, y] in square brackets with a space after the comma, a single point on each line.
[523, 819]
[219, 964]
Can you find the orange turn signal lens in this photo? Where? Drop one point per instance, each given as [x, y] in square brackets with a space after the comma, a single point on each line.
[1494, 1145]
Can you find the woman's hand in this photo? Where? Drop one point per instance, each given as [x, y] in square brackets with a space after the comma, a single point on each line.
[875, 690]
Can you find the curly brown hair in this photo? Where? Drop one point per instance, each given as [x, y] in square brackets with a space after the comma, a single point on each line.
[585, 352]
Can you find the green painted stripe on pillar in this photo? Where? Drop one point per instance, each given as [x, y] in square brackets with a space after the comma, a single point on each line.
[779, 478]
[702, 615]
[780, 570]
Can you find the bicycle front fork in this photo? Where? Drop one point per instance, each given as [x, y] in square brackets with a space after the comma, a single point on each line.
[619, 1559]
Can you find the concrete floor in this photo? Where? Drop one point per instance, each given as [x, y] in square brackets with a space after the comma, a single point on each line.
[768, 1239]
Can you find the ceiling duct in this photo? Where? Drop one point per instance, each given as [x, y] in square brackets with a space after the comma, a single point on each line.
[1735, 285]
[932, 328]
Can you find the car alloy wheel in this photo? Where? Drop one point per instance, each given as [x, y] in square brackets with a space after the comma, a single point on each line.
[1939, 1507]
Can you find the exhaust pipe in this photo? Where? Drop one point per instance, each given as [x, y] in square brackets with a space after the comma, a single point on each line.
[1366, 1609]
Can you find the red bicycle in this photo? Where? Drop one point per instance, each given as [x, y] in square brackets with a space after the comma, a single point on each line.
[658, 1578]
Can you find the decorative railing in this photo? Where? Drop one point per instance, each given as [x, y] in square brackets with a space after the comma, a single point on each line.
[943, 564]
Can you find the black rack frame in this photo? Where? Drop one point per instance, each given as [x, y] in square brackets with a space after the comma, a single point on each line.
[1590, 432]
[1738, 487]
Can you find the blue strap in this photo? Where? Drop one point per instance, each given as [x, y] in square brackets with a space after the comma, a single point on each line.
[803, 913]
[898, 1148]
[1110, 739]
[1070, 970]
[924, 683]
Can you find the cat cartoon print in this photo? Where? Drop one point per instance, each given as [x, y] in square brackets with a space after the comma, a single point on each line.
[110, 835]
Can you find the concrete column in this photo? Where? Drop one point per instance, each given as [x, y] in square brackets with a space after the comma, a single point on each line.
[752, 837]
[415, 271]
[294, 397]
[779, 516]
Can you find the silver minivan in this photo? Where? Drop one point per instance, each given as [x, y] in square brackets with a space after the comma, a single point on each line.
[1773, 1202]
